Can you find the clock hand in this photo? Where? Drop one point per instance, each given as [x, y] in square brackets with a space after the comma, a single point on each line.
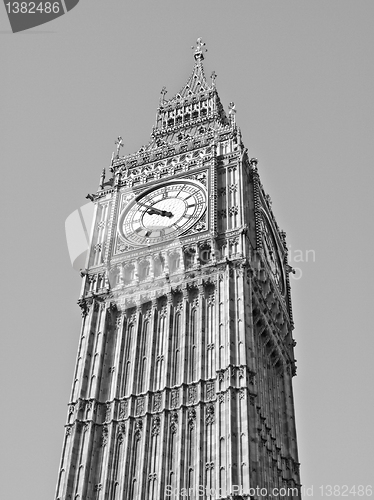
[163, 213]
[156, 211]
[166, 214]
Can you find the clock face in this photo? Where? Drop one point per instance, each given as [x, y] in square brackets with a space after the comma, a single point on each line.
[163, 213]
[272, 254]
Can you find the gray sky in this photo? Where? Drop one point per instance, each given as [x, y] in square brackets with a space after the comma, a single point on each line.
[301, 75]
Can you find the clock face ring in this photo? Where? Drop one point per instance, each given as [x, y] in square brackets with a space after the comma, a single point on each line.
[162, 213]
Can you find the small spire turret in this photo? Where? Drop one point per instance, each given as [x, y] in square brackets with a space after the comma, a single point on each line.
[232, 112]
[102, 179]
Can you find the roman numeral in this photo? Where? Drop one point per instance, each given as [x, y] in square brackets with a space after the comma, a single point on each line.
[192, 194]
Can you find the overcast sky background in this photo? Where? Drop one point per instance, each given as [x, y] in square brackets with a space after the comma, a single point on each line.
[301, 75]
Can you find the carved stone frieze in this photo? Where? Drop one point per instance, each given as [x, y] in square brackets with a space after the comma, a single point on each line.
[174, 422]
[221, 397]
[104, 436]
[210, 391]
[209, 418]
[174, 398]
[157, 401]
[85, 305]
[140, 403]
[156, 424]
[108, 412]
[192, 394]
[191, 417]
[121, 432]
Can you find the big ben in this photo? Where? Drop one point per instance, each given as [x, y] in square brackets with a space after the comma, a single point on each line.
[183, 380]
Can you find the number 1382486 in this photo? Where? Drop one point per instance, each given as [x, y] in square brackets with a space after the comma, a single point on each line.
[33, 7]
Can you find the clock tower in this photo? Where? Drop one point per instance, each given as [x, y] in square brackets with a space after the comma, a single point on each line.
[183, 380]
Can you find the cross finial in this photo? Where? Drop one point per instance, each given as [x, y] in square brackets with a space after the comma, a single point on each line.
[199, 49]
[163, 92]
[213, 76]
[119, 144]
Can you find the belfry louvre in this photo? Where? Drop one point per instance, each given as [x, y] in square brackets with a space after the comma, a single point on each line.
[183, 379]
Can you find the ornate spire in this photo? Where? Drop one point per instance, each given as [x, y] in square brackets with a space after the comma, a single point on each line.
[192, 112]
[197, 82]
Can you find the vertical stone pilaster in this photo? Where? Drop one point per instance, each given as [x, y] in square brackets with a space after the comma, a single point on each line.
[200, 333]
[184, 327]
[213, 192]
[83, 361]
[115, 368]
[153, 367]
[149, 315]
[137, 332]
[99, 351]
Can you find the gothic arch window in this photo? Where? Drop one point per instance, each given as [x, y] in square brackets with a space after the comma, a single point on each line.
[204, 254]
[114, 276]
[144, 268]
[174, 262]
[129, 273]
[189, 257]
[159, 265]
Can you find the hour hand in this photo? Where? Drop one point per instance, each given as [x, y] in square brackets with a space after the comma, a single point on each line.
[156, 211]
